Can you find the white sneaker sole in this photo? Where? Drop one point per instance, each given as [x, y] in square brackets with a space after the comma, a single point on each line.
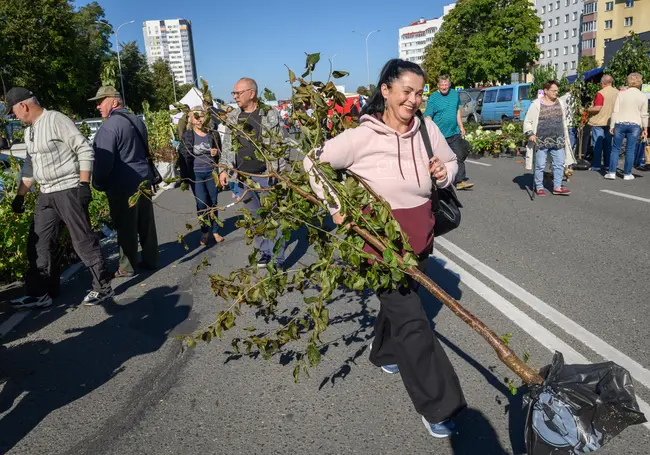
[97, 302]
[385, 370]
[435, 435]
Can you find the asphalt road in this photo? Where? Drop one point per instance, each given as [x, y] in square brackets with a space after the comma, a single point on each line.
[565, 273]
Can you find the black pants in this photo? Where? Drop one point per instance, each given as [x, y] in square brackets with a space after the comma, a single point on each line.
[460, 147]
[33, 276]
[133, 224]
[404, 337]
[52, 209]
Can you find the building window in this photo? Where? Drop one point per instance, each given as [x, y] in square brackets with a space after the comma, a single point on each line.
[557, 36]
[550, 22]
[589, 43]
[589, 26]
[574, 32]
[566, 34]
[550, 7]
[566, 50]
[608, 25]
[573, 49]
[628, 21]
[557, 20]
[565, 66]
[566, 18]
[550, 37]
[591, 8]
[542, 38]
[575, 16]
[567, 2]
[557, 4]
[629, 3]
[556, 52]
[573, 65]
[548, 53]
[557, 67]
[544, 9]
[609, 6]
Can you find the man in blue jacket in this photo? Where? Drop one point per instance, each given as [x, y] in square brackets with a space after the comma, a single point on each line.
[121, 165]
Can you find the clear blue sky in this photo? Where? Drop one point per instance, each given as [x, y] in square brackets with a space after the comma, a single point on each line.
[255, 38]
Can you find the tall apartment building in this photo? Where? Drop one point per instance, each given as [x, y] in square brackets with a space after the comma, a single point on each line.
[414, 38]
[560, 38]
[171, 40]
[606, 20]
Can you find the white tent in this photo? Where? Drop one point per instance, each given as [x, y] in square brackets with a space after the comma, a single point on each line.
[192, 98]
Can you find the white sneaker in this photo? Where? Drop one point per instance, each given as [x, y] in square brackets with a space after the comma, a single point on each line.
[610, 176]
[628, 177]
[95, 297]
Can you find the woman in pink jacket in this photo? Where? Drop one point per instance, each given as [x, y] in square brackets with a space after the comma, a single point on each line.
[387, 151]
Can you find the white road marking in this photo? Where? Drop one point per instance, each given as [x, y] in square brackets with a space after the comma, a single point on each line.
[629, 196]
[571, 327]
[477, 162]
[530, 326]
[12, 322]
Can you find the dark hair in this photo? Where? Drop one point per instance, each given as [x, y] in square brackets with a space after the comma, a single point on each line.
[391, 71]
[550, 84]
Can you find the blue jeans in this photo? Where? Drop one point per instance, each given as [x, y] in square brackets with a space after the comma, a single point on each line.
[252, 203]
[205, 191]
[601, 142]
[557, 157]
[573, 137]
[631, 132]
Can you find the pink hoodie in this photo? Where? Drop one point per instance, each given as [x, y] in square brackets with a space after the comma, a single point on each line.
[396, 167]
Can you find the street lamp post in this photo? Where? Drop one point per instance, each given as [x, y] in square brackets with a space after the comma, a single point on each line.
[117, 46]
[333, 57]
[367, 60]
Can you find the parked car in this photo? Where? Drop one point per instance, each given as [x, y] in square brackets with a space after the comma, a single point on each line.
[468, 107]
[93, 124]
[504, 103]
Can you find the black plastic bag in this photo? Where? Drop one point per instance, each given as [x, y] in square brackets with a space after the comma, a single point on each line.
[579, 408]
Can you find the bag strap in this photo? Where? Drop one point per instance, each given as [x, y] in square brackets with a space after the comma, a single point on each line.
[145, 144]
[425, 135]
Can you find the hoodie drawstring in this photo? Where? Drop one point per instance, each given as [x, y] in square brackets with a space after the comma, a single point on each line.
[399, 157]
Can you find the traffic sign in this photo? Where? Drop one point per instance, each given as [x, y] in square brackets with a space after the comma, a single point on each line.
[426, 89]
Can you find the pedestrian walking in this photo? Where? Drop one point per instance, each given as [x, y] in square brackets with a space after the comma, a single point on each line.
[629, 121]
[388, 152]
[600, 115]
[546, 128]
[122, 164]
[265, 125]
[443, 107]
[60, 159]
[199, 155]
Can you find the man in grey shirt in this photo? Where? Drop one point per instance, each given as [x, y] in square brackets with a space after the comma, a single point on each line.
[60, 159]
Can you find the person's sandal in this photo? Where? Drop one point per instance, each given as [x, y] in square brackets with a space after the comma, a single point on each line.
[121, 273]
[205, 238]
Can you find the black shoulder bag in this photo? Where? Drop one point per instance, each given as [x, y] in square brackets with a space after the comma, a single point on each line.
[444, 202]
[157, 178]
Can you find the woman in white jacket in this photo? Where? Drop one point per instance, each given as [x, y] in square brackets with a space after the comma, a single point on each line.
[546, 128]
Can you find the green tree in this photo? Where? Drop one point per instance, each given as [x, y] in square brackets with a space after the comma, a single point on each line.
[163, 83]
[485, 41]
[586, 63]
[543, 73]
[631, 58]
[137, 77]
[48, 47]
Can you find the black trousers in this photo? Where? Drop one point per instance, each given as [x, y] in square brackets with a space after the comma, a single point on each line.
[133, 224]
[52, 209]
[404, 337]
[460, 147]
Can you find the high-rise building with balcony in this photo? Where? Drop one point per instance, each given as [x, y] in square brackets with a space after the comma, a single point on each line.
[414, 38]
[560, 38]
[171, 40]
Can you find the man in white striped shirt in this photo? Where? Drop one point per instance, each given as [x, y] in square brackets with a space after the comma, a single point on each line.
[60, 159]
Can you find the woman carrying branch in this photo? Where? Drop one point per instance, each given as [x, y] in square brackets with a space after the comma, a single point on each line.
[388, 153]
[199, 152]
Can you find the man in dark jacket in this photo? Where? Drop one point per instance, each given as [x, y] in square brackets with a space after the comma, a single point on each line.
[121, 165]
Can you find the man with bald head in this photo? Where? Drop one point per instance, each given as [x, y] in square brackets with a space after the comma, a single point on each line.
[601, 113]
[60, 159]
[263, 124]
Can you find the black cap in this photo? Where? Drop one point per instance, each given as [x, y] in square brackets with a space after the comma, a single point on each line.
[15, 96]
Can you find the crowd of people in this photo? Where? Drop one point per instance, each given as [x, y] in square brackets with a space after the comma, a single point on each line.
[388, 150]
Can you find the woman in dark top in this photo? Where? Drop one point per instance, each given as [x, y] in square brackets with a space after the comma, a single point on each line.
[199, 152]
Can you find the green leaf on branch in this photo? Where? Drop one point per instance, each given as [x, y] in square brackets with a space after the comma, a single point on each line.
[339, 74]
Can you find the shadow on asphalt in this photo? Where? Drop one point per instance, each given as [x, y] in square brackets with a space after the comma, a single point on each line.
[193, 239]
[41, 377]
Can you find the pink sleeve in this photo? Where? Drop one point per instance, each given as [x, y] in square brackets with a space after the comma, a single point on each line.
[442, 151]
[339, 153]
